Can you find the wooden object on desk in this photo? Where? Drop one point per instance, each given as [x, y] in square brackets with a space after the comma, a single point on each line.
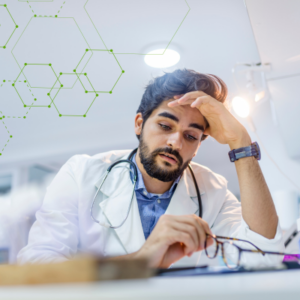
[85, 269]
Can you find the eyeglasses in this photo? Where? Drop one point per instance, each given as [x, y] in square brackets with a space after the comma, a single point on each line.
[231, 253]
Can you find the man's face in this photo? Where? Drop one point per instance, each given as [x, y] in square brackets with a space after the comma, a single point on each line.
[169, 140]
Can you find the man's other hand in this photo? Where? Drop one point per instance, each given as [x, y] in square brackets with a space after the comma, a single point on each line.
[173, 238]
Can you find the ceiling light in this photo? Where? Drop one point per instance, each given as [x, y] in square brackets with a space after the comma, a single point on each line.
[162, 58]
[241, 107]
[259, 96]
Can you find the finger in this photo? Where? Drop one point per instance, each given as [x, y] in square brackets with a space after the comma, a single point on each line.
[201, 100]
[209, 241]
[178, 96]
[205, 226]
[173, 103]
[192, 95]
[174, 229]
[185, 238]
[202, 236]
[198, 224]
[203, 230]
[207, 131]
[189, 229]
[180, 102]
[207, 238]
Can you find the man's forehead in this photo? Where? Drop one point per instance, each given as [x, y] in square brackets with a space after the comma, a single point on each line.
[182, 112]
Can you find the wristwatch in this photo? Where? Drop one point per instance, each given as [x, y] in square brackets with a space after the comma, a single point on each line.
[252, 150]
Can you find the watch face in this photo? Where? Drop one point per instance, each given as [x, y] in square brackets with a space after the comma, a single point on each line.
[258, 156]
[231, 156]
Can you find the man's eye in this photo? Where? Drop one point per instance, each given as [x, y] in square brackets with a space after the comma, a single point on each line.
[190, 137]
[164, 127]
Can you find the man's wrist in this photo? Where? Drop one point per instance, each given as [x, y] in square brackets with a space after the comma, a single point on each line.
[244, 141]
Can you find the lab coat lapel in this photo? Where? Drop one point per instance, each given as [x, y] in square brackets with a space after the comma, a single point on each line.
[118, 187]
[182, 202]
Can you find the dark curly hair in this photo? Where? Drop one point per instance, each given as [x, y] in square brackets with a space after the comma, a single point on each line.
[180, 82]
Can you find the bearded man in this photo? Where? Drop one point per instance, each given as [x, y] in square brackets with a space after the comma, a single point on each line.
[175, 207]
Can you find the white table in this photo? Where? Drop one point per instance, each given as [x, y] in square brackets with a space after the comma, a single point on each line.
[255, 286]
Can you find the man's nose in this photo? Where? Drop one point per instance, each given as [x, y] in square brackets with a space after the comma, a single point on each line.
[175, 141]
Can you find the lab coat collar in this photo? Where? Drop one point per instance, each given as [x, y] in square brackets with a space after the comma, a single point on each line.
[114, 177]
[181, 204]
[119, 187]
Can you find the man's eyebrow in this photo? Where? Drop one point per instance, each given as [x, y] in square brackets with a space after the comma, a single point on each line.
[174, 118]
[168, 115]
[197, 126]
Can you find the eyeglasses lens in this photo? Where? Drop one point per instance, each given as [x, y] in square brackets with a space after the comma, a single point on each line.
[231, 253]
[211, 251]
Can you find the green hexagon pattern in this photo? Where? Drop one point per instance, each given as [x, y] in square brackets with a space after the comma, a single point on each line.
[61, 43]
[8, 26]
[64, 104]
[99, 65]
[5, 135]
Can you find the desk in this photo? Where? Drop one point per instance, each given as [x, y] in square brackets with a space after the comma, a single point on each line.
[255, 286]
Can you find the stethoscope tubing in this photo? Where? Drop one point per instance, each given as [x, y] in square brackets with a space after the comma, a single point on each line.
[133, 190]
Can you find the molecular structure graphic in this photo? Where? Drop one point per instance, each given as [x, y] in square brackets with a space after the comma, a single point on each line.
[5, 135]
[9, 28]
[57, 67]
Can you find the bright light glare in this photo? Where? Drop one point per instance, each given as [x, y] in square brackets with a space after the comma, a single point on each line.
[241, 107]
[259, 96]
[168, 59]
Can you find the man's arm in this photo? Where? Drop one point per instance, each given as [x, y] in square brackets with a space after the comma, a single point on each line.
[257, 205]
[258, 209]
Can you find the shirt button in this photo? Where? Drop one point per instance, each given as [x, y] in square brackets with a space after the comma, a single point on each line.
[158, 201]
[145, 193]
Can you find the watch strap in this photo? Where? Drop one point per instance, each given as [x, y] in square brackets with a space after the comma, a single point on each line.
[252, 150]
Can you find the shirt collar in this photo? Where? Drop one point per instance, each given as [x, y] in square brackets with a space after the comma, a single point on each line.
[140, 186]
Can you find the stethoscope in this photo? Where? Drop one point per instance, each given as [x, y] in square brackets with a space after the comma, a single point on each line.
[129, 161]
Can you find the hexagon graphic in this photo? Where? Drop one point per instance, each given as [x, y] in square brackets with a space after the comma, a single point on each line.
[8, 26]
[103, 70]
[10, 102]
[55, 40]
[42, 75]
[5, 135]
[154, 21]
[45, 7]
[74, 102]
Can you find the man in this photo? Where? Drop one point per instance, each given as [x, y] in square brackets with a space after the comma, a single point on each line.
[178, 110]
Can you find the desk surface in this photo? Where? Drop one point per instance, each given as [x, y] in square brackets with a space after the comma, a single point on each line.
[268, 285]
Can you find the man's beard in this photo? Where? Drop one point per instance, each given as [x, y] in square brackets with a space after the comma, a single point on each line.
[152, 168]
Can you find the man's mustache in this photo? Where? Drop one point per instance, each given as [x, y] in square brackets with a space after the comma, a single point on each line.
[170, 151]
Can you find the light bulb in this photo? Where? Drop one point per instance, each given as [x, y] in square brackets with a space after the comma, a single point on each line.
[241, 107]
[156, 59]
[259, 96]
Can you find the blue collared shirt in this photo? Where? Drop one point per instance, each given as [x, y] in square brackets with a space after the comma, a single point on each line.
[151, 206]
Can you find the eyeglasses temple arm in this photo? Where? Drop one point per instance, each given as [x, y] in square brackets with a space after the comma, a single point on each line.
[239, 240]
[271, 252]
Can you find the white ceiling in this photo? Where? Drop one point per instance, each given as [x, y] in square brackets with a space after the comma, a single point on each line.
[213, 37]
[276, 29]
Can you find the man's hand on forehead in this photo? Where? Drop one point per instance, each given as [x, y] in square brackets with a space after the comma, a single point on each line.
[222, 124]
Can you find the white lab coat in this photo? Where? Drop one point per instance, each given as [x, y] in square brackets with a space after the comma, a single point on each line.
[64, 227]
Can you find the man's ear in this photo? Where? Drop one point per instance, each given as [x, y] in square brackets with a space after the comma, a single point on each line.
[138, 124]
